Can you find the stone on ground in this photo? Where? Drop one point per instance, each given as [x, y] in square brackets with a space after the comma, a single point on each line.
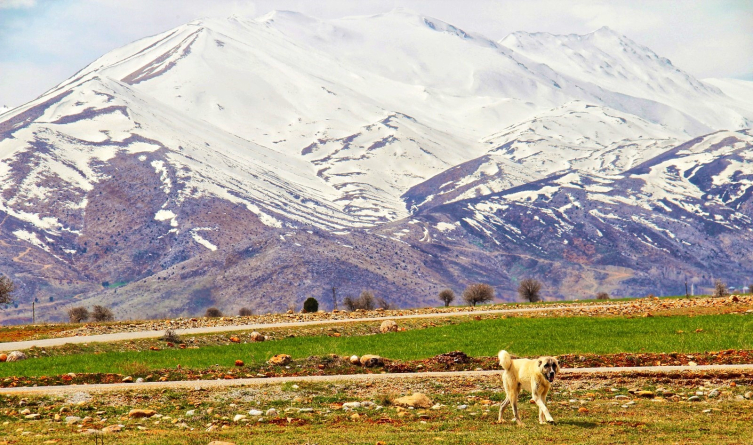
[417, 400]
[280, 360]
[139, 413]
[16, 356]
[388, 326]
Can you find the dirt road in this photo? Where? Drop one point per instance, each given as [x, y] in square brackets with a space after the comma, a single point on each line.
[209, 384]
[103, 338]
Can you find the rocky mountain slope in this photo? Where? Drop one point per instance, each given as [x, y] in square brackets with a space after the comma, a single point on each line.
[255, 162]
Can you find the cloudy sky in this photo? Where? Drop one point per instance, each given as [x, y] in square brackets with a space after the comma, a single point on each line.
[43, 42]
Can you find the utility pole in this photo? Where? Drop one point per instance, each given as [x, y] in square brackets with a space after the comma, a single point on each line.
[334, 298]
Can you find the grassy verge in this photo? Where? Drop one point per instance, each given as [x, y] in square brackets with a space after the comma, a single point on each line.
[522, 336]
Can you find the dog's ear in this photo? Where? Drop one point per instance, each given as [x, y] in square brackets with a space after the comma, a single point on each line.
[539, 362]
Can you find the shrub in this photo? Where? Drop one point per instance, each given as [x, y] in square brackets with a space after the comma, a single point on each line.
[478, 293]
[365, 301]
[213, 312]
[447, 296]
[602, 296]
[245, 312]
[720, 289]
[7, 287]
[310, 305]
[529, 290]
[381, 303]
[78, 314]
[171, 336]
[101, 313]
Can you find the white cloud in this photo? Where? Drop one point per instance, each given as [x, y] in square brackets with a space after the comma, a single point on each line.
[15, 4]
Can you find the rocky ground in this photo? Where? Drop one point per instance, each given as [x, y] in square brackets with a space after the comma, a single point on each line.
[614, 403]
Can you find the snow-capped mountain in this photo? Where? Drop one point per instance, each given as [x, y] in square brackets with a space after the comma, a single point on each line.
[165, 162]
[684, 215]
[576, 135]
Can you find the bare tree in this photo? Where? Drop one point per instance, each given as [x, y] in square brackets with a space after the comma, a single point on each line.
[245, 312]
[7, 287]
[478, 293]
[350, 303]
[750, 289]
[720, 289]
[447, 296]
[602, 296]
[101, 313]
[78, 314]
[213, 312]
[529, 290]
[365, 301]
[381, 303]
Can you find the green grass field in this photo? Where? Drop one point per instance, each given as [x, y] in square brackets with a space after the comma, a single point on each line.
[521, 336]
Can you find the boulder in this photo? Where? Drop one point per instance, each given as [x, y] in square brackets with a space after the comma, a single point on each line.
[16, 356]
[256, 336]
[417, 400]
[355, 360]
[3, 357]
[127, 379]
[112, 429]
[370, 361]
[140, 413]
[280, 360]
[388, 326]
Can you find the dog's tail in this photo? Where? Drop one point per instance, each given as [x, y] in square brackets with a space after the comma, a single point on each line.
[505, 360]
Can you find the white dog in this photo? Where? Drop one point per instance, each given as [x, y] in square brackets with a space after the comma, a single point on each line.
[535, 376]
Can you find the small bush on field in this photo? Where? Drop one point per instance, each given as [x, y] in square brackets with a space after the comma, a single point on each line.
[478, 293]
[720, 289]
[171, 336]
[310, 305]
[529, 290]
[213, 312]
[101, 313]
[602, 296]
[381, 303]
[365, 301]
[245, 312]
[447, 296]
[78, 314]
[385, 399]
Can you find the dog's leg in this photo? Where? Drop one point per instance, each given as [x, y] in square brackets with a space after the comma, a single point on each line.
[540, 400]
[515, 412]
[502, 409]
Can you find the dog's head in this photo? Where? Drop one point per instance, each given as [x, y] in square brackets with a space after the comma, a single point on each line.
[549, 367]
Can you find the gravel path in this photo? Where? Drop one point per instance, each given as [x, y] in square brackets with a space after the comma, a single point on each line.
[210, 384]
[104, 338]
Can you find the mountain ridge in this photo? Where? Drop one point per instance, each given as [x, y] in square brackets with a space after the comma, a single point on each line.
[203, 152]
